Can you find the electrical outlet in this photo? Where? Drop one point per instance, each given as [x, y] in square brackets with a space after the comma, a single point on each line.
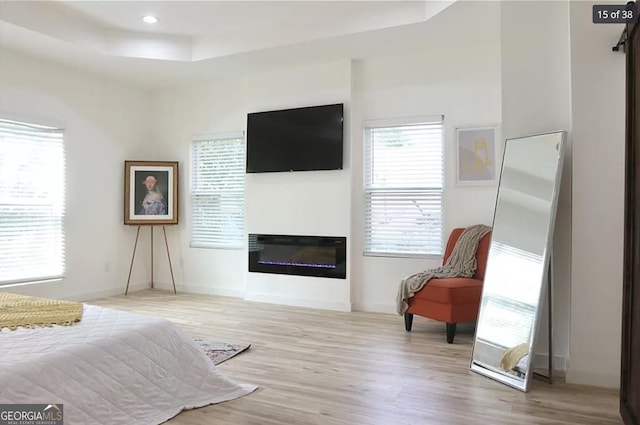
[107, 267]
[181, 262]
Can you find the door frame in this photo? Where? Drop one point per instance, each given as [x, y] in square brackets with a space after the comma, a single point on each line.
[631, 269]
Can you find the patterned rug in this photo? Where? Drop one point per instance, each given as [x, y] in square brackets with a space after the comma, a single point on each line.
[218, 352]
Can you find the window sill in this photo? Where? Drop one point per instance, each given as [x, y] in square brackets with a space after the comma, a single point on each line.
[15, 283]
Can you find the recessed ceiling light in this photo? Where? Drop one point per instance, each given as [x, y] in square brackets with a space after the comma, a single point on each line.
[149, 19]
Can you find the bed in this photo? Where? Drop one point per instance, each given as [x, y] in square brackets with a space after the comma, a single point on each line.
[112, 367]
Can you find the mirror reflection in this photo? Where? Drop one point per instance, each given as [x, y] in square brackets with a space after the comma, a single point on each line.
[518, 258]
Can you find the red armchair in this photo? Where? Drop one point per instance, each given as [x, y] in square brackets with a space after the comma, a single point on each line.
[451, 300]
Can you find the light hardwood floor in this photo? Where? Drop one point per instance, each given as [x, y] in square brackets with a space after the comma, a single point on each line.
[329, 368]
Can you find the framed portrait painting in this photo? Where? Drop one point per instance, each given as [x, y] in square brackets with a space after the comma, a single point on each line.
[476, 156]
[150, 192]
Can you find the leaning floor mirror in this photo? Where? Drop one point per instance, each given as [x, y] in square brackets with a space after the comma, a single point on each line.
[519, 256]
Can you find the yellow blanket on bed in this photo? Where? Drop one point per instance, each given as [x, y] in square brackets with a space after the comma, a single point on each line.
[30, 312]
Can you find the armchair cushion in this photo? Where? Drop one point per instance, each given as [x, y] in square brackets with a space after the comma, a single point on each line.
[452, 290]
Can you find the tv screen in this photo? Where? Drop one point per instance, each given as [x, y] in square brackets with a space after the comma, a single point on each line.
[300, 139]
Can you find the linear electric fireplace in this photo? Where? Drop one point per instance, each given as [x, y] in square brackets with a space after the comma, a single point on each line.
[321, 256]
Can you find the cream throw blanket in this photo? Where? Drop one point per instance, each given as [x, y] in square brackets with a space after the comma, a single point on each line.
[461, 263]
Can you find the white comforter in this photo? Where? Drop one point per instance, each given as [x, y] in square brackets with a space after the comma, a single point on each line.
[113, 367]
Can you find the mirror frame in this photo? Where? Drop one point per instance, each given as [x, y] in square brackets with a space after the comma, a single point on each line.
[524, 384]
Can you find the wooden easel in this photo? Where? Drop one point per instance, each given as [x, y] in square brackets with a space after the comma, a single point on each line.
[133, 256]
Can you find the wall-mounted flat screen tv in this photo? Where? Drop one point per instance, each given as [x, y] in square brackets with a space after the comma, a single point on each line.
[300, 139]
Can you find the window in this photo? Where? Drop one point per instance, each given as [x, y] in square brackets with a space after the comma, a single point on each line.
[403, 188]
[32, 192]
[217, 192]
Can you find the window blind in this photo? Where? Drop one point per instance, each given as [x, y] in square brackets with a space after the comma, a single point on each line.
[403, 187]
[217, 192]
[32, 199]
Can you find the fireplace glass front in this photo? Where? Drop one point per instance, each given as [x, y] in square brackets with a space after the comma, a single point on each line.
[320, 256]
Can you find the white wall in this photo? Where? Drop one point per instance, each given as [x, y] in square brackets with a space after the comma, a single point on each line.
[460, 79]
[177, 114]
[598, 102]
[315, 202]
[106, 123]
[456, 74]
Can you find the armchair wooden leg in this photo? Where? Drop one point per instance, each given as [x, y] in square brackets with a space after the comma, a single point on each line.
[408, 321]
[451, 332]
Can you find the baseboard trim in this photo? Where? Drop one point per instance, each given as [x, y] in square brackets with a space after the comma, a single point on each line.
[541, 361]
[297, 302]
[594, 379]
[375, 308]
[88, 296]
[211, 290]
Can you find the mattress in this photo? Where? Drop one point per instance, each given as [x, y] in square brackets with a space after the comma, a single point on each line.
[113, 367]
